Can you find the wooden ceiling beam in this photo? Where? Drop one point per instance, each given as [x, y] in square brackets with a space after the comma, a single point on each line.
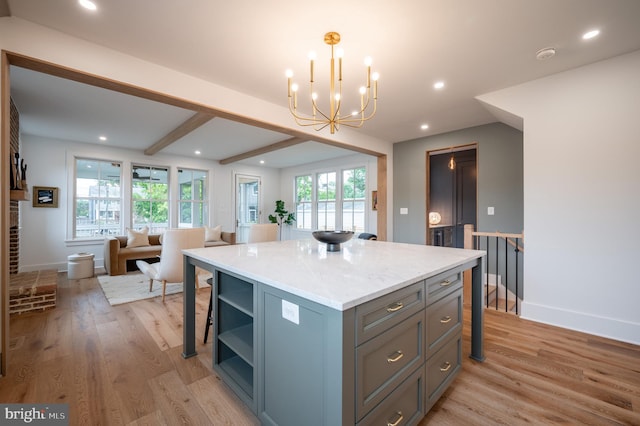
[179, 132]
[259, 151]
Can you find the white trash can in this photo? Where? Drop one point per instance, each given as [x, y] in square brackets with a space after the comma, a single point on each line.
[80, 266]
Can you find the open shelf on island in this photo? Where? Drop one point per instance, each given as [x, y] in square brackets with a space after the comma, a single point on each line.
[234, 334]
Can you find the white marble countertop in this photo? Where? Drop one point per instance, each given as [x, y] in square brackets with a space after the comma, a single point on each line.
[363, 270]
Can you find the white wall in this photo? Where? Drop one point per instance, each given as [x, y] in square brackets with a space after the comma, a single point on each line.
[582, 196]
[288, 176]
[45, 232]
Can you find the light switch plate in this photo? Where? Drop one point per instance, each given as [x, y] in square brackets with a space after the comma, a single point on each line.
[490, 211]
[291, 312]
[404, 210]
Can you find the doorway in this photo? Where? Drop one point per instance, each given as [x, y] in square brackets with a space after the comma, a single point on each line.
[451, 195]
[248, 199]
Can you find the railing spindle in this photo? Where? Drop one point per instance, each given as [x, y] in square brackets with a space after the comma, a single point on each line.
[506, 275]
[517, 250]
[496, 275]
[513, 239]
[487, 273]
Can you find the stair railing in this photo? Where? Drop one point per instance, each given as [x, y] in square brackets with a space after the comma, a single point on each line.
[503, 250]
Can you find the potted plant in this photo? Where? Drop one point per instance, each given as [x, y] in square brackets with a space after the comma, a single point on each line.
[281, 216]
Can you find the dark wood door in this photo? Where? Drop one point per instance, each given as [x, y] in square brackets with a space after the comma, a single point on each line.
[453, 193]
[465, 205]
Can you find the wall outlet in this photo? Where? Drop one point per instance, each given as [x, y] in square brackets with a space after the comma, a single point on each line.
[491, 211]
[291, 312]
[404, 210]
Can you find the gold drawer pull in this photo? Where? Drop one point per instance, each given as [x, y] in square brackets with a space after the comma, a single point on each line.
[445, 320]
[397, 422]
[447, 367]
[445, 283]
[397, 357]
[396, 307]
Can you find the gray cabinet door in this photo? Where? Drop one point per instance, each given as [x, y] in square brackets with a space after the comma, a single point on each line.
[302, 371]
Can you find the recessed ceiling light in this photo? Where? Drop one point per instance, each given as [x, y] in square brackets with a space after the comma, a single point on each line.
[88, 4]
[424, 126]
[590, 34]
[438, 85]
[261, 161]
[197, 152]
[102, 138]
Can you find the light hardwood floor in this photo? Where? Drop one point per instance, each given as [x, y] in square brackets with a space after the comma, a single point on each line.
[123, 365]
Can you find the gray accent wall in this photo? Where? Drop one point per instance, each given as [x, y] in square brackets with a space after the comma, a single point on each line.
[500, 183]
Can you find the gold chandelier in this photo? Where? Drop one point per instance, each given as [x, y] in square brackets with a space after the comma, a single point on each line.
[319, 119]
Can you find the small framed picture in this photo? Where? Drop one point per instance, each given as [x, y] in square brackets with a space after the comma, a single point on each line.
[45, 196]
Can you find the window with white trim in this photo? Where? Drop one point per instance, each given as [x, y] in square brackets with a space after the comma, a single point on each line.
[97, 198]
[330, 200]
[193, 205]
[304, 202]
[354, 184]
[150, 198]
[326, 201]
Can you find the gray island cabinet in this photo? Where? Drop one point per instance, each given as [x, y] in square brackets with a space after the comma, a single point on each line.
[368, 335]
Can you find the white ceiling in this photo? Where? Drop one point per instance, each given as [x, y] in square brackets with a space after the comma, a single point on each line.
[474, 46]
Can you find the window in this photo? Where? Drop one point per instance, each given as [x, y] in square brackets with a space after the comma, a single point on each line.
[97, 201]
[326, 201]
[331, 200]
[304, 189]
[150, 198]
[192, 206]
[354, 184]
[248, 199]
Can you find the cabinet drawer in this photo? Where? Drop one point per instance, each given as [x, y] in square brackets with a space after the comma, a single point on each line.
[378, 315]
[442, 368]
[441, 285]
[382, 363]
[404, 407]
[444, 319]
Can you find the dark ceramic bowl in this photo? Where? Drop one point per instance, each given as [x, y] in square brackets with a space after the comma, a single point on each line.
[332, 238]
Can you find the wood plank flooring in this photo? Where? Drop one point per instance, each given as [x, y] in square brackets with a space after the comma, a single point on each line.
[122, 365]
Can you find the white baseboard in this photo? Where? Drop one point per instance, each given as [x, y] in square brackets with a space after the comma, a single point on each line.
[59, 266]
[611, 328]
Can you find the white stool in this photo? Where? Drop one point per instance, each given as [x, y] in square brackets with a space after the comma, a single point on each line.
[80, 266]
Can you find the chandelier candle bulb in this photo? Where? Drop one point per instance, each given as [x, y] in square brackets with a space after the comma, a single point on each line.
[375, 78]
[312, 57]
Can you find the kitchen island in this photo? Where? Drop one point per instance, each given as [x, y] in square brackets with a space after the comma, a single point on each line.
[369, 334]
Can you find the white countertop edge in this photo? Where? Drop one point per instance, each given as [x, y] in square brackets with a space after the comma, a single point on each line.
[323, 300]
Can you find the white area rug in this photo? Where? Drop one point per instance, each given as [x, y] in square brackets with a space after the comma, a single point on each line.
[131, 287]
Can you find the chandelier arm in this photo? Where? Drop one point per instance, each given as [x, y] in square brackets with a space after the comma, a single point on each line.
[310, 121]
[313, 120]
[336, 115]
[318, 110]
[362, 118]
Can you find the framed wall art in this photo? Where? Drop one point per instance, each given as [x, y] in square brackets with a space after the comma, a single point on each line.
[45, 196]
